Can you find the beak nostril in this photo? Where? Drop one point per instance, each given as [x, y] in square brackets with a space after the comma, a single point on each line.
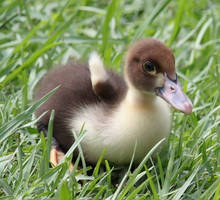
[172, 88]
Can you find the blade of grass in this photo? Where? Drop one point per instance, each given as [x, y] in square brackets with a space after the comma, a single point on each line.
[6, 187]
[97, 167]
[73, 147]
[64, 193]
[160, 169]
[217, 193]
[7, 198]
[137, 190]
[19, 182]
[132, 178]
[21, 46]
[202, 33]
[115, 195]
[81, 151]
[105, 29]
[5, 160]
[60, 175]
[88, 188]
[49, 140]
[101, 191]
[178, 20]
[211, 190]
[191, 33]
[152, 185]
[8, 128]
[108, 170]
[28, 168]
[166, 186]
[28, 63]
[181, 190]
[156, 11]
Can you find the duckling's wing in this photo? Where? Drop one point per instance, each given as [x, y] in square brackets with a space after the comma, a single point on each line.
[112, 90]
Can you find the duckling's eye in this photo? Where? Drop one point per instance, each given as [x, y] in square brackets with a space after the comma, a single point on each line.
[149, 67]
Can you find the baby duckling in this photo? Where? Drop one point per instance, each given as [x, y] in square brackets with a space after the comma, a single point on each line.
[116, 111]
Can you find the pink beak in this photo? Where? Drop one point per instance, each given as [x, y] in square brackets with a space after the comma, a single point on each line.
[172, 93]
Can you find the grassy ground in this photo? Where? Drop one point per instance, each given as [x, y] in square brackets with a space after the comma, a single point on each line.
[37, 34]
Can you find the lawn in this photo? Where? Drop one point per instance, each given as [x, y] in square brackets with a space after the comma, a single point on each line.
[36, 35]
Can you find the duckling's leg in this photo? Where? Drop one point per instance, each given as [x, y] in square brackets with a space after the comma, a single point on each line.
[53, 157]
[56, 154]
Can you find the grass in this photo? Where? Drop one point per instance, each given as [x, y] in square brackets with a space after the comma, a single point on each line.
[38, 34]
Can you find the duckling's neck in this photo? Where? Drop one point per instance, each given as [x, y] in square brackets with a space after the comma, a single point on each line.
[138, 98]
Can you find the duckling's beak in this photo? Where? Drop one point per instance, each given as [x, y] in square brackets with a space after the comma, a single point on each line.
[172, 93]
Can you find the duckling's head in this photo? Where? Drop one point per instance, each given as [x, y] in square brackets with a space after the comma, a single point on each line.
[150, 68]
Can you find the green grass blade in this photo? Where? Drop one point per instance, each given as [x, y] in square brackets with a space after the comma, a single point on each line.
[217, 193]
[132, 178]
[81, 151]
[115, 195]
[49, 140]
[97, 167]
[29, 36]
[167, 181]
[156, 11]
[4, 161]
[152, 185]
[181, 190]
[73, 147]
[108, 171]
[28, 63]
[6, 187]
[64, 193]
[8, 129]
[160, 169]
[178, 19]
[101, 191]
[208, 194]
[135, 192]
[105, 29]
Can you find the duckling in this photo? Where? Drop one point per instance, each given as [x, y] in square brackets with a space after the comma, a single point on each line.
[116, 111]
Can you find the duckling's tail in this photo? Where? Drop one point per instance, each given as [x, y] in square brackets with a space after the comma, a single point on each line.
[97, 69]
